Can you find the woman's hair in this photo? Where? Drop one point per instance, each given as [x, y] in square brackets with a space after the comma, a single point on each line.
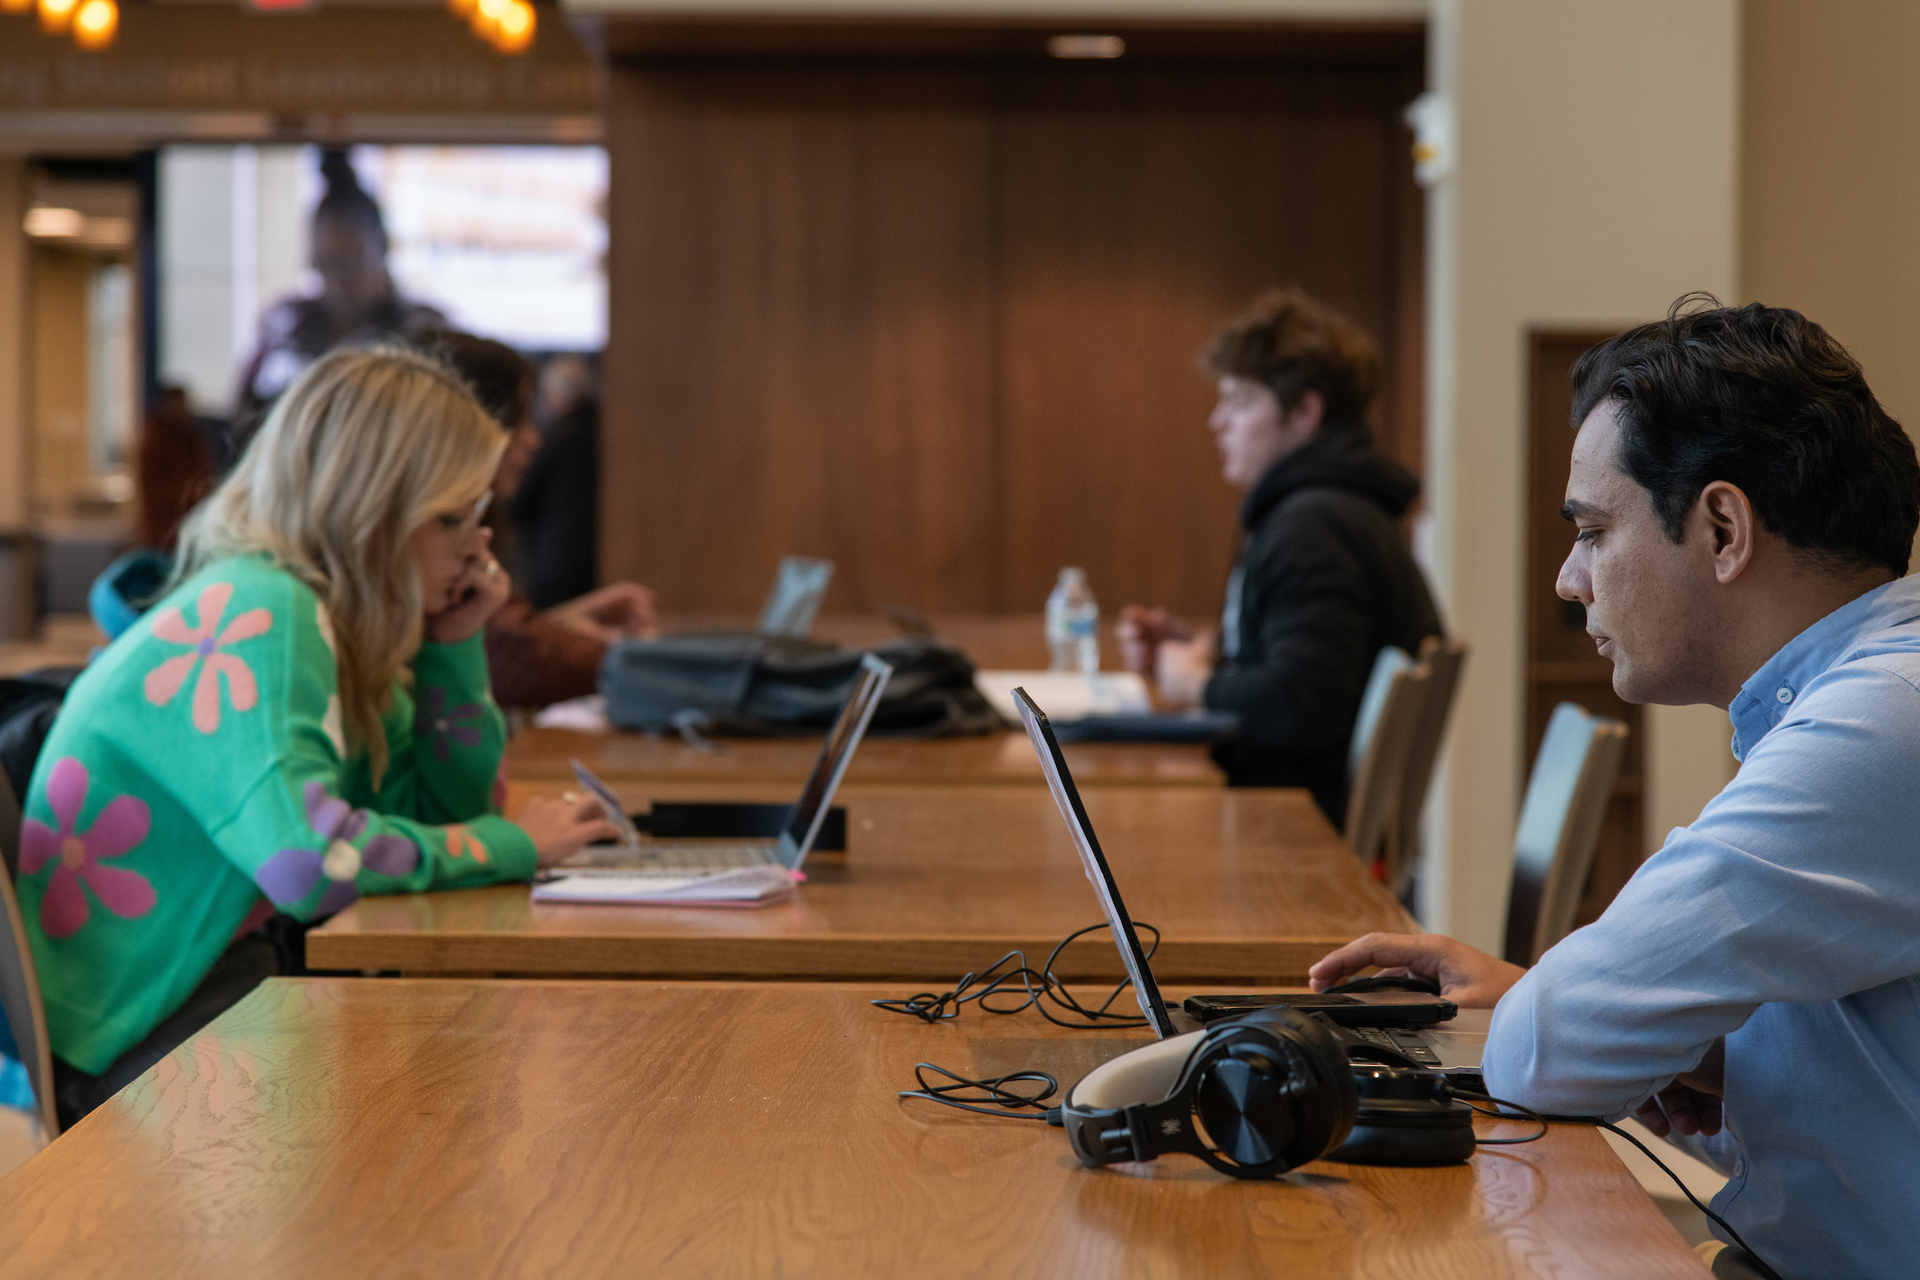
[346, 200]
[363, 448]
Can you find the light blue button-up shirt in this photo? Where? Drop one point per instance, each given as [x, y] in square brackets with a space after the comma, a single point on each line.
[1786, 918]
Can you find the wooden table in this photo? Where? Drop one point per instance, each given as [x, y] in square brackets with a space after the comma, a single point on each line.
[1246, 885]
[1014, 641]
[326, 1128]
[540, 754]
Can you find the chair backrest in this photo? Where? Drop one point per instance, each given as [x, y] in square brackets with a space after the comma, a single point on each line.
[1559, 825]
[19, 983]
[1445, 659]
[1383, 735]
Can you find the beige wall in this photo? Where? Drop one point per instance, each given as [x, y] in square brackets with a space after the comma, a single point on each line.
[1830, 192]
[1594, 180]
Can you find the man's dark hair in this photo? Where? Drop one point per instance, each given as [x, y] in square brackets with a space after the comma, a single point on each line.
[1764, 399]
[499, 377]
[1293, 343]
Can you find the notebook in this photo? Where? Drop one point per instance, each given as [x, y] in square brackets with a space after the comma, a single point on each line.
[1455, 1049]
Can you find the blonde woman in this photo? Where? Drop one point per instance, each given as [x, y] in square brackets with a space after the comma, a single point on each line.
[303, 718]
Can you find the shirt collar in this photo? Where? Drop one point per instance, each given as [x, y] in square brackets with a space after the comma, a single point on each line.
[1771, 691]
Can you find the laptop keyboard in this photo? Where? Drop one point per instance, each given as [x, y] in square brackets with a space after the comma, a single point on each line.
[670, 859]
[1411, 1043]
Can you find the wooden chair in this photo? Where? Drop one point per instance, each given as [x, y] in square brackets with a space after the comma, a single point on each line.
[19, 984]
[1383, 736]
[1559, 826]
[1445, 658]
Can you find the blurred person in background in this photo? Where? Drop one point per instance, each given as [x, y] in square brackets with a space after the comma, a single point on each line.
[174, 470]
[357, 303]
[537, 656]
[556, 505]
[1324, 579]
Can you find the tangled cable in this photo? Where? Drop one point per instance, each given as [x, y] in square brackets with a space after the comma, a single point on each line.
[1008, 1104]
[1036, 989]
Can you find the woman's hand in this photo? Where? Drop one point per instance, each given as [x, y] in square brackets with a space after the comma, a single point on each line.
[561, 828]
[615, 610]
[482, 587]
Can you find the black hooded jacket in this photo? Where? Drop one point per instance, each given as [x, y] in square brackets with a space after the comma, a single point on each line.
[1324, 581]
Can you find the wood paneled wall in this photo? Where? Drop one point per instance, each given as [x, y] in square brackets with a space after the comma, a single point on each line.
[1562, 664]
[936, 319]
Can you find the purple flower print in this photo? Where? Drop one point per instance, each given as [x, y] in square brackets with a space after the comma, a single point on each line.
[444, 725]
[116, 829]
[205, 641]
[291, 874]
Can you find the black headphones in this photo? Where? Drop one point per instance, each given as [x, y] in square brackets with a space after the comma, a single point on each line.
[1252, 1096]
[1257, 1095]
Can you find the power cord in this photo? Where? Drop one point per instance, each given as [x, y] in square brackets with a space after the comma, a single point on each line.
[1718, 1221]
[1007, 1103]
[1036, 989]
[1525, 1114]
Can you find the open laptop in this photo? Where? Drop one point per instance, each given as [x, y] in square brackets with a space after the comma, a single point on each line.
[634, 856]
[796, 596]
[1453, 1049]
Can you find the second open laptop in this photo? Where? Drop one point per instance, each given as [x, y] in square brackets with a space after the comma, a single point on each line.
[634, 856]
[1454, 1049]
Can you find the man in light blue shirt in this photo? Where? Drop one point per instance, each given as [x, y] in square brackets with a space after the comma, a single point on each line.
[1745, 512]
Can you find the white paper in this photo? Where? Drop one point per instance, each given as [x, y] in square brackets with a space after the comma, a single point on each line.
[1067, 695]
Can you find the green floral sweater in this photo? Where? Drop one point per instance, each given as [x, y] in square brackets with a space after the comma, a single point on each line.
[196, 780]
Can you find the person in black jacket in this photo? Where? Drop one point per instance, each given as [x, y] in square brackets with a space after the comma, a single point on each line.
[1324, 579]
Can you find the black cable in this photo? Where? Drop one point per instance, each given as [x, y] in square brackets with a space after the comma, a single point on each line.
[1008, 1104]
[1719, 1221]
[1525, 1114]
[1035, 990]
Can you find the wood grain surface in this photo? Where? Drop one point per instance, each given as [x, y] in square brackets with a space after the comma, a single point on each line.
[937, 881]
[329, 1128]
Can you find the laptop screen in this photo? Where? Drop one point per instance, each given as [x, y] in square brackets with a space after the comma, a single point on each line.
[1060, 781]
[836, 753]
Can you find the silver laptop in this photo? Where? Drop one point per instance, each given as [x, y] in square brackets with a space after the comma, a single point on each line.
[796, 596]
[1454, 1049]
[634, 856]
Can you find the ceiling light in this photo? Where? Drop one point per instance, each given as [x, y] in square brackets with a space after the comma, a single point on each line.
[46, 220]
[16, 6]
[1085, 46]
[55, 14]
[94, 23]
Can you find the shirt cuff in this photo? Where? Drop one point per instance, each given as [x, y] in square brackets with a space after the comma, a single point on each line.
[510, 846]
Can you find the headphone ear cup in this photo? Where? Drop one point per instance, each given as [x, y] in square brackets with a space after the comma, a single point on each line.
[1276, 1099]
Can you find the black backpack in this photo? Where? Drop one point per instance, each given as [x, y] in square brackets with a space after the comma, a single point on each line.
[28, 704]
[753, 685]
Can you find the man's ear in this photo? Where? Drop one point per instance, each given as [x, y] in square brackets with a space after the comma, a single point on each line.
[1730, 525]
[1308, 412]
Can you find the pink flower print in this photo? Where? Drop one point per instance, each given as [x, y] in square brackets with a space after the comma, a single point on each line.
[291, 874]
[167, 679]
[116, 829]
[445, 726]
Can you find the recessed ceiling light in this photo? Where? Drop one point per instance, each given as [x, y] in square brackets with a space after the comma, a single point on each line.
[1085, 46]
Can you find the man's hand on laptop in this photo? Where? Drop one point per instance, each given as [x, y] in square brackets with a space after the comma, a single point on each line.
[1471, 979]
[1692, 1103]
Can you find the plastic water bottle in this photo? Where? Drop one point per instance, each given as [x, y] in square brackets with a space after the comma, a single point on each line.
[1073, 624]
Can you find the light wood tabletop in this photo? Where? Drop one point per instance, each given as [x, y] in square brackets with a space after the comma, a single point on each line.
[990, 758]
[1246, 885]
[326, 1128]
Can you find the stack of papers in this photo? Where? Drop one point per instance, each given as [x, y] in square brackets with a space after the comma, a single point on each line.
[1067, 695]
[739, 887]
